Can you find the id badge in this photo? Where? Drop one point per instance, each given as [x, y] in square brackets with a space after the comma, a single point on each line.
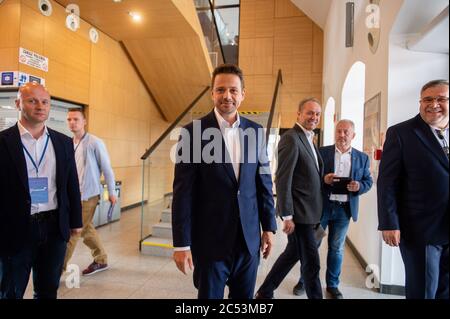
[38, 190]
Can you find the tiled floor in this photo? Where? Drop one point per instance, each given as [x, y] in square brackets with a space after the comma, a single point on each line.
[132, 275]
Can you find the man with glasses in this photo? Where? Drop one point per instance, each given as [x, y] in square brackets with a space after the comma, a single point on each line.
[413, 194]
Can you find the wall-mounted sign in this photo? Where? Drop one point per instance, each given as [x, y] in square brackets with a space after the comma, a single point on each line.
[16, 79]
[7, 79]
[33, 59]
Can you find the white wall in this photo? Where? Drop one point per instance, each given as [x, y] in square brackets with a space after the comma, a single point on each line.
[328, 122]
[409, 71]
[337, 62]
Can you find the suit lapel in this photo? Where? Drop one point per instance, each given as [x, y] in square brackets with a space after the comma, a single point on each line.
[353, 167]
[211, 121]
[423, 131]
[305, 142]
[15, 147]
[59, 150]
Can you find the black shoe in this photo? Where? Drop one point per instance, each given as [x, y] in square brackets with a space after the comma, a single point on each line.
[299, 289]
[334, 293]
[260, 296]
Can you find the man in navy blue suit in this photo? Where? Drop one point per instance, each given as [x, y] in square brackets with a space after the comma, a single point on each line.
[39, 198]
[341, 160]
[222, 195]
[413, 194]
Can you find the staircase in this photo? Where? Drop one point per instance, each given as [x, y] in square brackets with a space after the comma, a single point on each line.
[160, 242]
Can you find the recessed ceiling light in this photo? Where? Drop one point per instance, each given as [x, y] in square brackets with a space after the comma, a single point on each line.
[117, 1]
[135, 16]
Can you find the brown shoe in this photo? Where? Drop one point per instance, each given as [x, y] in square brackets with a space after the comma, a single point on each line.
[93, 268]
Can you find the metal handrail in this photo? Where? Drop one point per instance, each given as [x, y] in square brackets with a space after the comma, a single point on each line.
[173, 125]
[274, 103]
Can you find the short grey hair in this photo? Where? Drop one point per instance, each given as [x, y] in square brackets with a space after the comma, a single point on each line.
[433, 83]
[352, 124]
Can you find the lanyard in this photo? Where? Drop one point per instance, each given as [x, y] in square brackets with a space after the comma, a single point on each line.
[42, 156]
[76, 147]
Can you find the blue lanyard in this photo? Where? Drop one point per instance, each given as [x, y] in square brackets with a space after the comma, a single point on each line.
[76, 147]
[42, 156]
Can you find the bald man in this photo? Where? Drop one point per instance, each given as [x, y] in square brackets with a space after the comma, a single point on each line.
[40, 205]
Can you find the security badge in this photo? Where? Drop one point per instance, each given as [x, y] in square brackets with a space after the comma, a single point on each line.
[38, 190]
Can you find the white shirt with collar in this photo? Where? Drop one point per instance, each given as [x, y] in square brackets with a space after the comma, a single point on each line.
[232, 140]
[310, 138]
[342, 168]
[47, 168]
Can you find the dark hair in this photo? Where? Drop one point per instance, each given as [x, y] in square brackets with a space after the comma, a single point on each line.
[78, 110]
[304, 101]
[228, 69]
[433, 84]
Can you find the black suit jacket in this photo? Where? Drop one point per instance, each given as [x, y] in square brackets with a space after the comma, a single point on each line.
[210, 204]
[413, 184]
[298, 179]
[15, 201]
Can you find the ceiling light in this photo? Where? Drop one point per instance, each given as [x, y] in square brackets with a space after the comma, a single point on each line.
[135, 16]
[117, 1]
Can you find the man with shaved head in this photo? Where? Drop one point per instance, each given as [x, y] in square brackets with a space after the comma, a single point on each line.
[40, 205]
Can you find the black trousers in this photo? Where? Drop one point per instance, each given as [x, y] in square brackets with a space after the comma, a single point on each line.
[284, 263]
[43, 253]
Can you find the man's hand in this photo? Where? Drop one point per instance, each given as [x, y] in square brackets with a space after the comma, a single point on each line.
[391, 237]
[328, 179]
[75, 231]
[288, 226]
[183, 258]
[353, 186]
[112, 199]
[266, 243]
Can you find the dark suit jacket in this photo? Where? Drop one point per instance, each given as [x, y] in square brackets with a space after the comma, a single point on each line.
[209, 204]
[413, 184]
[15, 201]
[298, 180]
[359, 172]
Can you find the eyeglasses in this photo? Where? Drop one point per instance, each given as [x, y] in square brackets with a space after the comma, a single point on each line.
[438, 99]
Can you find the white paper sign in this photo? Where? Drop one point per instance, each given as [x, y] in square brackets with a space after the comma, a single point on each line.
[33, 59]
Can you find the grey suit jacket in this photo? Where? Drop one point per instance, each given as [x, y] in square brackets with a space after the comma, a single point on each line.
[298, 180]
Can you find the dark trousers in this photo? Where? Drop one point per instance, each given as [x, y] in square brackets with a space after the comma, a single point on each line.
[288, 258]
[43, 253]
[237, 271]
[426, 270]
[309, 260]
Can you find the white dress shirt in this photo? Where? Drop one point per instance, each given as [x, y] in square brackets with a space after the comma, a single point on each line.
[232, 140]
[342, 168]
[46, 169]
[310, 138]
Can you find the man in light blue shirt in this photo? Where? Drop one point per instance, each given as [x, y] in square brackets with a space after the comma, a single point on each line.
[92, 160]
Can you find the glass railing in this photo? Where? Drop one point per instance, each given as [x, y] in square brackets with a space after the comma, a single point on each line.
[158, 167]
[220, 25]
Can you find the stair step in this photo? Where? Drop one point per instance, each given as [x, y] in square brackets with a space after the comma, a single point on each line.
[163, 230]
[166, 216]
[156, 246]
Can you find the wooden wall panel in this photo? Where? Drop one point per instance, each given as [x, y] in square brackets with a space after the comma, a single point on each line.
[119, 109]
[289, 41]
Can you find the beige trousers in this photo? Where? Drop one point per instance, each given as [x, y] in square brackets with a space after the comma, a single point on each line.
[89, 234]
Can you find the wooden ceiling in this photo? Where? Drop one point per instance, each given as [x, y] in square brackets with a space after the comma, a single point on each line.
[166, 46]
